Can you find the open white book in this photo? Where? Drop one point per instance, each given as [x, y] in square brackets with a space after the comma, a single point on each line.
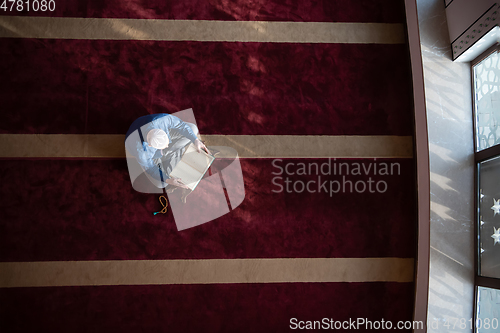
[192, 167]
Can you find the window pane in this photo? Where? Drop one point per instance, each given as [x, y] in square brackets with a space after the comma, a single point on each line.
[489, 218]
[488, 310]
[487, 101]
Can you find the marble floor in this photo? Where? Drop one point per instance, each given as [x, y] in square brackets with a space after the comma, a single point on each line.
[449, 121]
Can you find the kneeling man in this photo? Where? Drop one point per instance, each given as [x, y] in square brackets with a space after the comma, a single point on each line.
[163, 140]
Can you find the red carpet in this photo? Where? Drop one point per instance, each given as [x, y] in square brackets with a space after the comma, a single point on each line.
[241, 88]
[383, 11]
[87, 210]
[200, 308]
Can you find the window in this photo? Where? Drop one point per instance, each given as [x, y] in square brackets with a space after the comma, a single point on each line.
[487, 101]
[485, 71]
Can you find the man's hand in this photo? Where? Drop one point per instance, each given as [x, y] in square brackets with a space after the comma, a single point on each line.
[176, 182]
[200, 145]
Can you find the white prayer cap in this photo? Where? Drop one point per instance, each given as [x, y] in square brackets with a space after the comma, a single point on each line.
[157, 139]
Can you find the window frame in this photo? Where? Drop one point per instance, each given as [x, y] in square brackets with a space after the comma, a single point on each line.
[480, 156]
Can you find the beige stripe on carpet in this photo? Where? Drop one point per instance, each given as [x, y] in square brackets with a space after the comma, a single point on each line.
[247, 146]
[199, 30]
[209, 271]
